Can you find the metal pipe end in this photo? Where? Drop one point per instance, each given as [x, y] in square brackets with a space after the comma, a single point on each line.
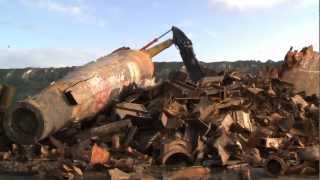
[176, 157]
[155, 50]
[275, 166]
[24, 124]
[176, 152]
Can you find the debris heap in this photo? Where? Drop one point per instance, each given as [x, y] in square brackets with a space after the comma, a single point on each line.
[227, 120]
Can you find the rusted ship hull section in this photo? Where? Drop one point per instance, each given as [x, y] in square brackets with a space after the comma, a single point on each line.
[302, 69]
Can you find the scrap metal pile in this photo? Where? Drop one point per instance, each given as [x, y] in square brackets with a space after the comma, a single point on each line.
[211, 120]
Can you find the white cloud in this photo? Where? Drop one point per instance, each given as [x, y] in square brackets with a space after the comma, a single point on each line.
[20, 58]
[55, 6]
[76, 9]
[254, 4]
[63, 8]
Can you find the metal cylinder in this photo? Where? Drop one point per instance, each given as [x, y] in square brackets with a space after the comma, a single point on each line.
[159, 47]
[275, 166]
[79, 95]
[6, 95]
[175, 151]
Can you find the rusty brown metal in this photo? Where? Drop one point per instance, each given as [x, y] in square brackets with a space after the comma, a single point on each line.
[80, 95]
[124, 110]
[275, 166]
[311, 153]
[302, 69]
[107, 129]
[116, 141]
[243, 120]
[273, 143]
[154, 40]
[153, 51]
[6, 95]
[175, 151]
[188, 173]
[226, 121]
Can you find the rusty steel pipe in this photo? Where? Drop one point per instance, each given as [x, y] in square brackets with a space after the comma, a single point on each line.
[6, 95]
[175, 151]
[275, 166]
[79, 95]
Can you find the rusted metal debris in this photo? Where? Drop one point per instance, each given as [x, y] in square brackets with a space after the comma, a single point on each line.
[99, 155]
[242, 123]
[228, 120]
[302, 69]
[6, 95]
[275, 166]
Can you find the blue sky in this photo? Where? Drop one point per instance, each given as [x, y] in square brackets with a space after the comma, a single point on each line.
[43, 33]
